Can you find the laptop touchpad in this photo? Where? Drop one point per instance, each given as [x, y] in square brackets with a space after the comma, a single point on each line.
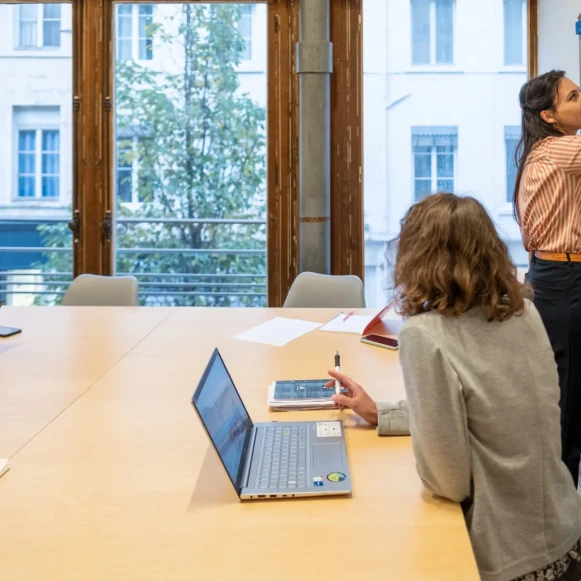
[328, 455]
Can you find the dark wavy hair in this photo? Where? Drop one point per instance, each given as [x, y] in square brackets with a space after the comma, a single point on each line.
[539, 94]
[450, 259]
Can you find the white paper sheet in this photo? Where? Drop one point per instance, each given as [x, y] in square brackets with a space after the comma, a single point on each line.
[354, 324]
[278, 331]
[3, 465]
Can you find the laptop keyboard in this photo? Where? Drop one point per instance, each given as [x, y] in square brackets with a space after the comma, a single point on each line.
[282, 460]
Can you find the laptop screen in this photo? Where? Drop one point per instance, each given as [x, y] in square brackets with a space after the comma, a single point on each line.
[224, 416]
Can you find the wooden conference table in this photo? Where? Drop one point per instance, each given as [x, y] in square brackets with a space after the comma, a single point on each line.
[113, 478]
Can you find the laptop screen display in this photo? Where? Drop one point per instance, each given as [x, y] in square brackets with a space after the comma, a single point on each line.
[224, 416]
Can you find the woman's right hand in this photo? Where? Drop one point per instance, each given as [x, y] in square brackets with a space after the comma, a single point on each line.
[357, 399]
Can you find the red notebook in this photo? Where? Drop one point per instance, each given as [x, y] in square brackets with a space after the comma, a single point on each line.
[382, 333]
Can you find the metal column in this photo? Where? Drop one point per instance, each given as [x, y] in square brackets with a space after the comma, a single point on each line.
[314, 67]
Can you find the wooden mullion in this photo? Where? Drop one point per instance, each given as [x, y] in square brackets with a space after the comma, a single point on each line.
[92, 142]
[347, 243]
[283, 127]
[533, 38]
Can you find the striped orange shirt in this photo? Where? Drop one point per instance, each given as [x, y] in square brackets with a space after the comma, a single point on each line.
[549, 204]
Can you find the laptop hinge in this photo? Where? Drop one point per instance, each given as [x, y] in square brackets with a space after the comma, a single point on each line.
[248, 460]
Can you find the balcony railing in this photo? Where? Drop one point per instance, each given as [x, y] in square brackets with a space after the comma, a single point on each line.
[236, 288]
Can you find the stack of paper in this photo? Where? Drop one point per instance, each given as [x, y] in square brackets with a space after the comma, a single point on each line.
[300, 395]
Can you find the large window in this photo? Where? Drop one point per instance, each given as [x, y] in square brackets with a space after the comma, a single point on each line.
[432, 32]
[191, 158]
[39, 25]
[36, 160]
[434, 150]
[37, 153]
[134, 32]
[514, 32]
[430, 129]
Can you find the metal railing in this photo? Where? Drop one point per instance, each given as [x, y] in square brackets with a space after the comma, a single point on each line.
[237, 286]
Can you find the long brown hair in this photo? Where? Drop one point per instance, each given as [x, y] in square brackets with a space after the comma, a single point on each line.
[450, 259]
[538, 94]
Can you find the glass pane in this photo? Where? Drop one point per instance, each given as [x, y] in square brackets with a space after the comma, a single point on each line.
[444, 31]
[422, 189]
[52, 11]
[124, 26]
[28, 15]
[26, 186]
[511, 168]
[445, 186]
[52, 33]
[28, 11]
[50, 187]
[190, 223]
[124, 49]
[423, 165]
[513, 32]
[36, 162]
[434, 111]
[445, 165]
[145, 33]
[420, 32]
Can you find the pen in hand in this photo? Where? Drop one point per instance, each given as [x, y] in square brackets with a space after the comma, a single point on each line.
[338, 370]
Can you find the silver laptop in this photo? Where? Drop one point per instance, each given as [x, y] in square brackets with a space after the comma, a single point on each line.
[269, 460]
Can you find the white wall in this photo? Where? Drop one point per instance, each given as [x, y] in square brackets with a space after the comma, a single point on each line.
[558, 43]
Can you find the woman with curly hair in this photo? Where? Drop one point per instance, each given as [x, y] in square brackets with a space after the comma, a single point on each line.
[482, 393]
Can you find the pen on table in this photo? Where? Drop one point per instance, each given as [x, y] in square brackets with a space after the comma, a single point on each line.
[338, 370]
[347, 315]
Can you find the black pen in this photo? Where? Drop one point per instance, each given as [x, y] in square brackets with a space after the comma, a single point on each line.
[338, 370]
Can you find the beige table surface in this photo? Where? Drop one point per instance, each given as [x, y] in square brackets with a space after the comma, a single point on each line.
[112, 476]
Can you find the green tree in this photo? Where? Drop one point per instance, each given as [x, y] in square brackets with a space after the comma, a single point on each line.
[199, 146]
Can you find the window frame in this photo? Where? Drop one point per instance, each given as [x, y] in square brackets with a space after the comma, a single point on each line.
[251, 15]
[524, 41]
[38, 173]
[433, 35]
[434, 178]
[39, 127]
[511, 133]
[445, 132]
[40, 21]
[135, 38]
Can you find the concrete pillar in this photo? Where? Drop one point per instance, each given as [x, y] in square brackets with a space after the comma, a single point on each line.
[314, 67]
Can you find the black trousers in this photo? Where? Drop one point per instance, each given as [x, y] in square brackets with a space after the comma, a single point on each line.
[557, 287]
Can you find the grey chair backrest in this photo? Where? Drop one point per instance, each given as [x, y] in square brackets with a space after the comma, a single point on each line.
[312, 290]
[91, 290]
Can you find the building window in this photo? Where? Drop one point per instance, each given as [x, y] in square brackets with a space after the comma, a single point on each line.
[133, 173]
[125, 170]
[134, 32]
[245, 30]
[434, 152]
[38, 163]
[432, 32]
[514, 32]
[37, 153]
[511, 139]
[39, 26]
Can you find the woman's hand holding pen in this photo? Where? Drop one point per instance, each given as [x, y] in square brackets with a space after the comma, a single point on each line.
[356, 399]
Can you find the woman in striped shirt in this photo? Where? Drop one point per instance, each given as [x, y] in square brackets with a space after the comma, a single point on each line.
[547, 206]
